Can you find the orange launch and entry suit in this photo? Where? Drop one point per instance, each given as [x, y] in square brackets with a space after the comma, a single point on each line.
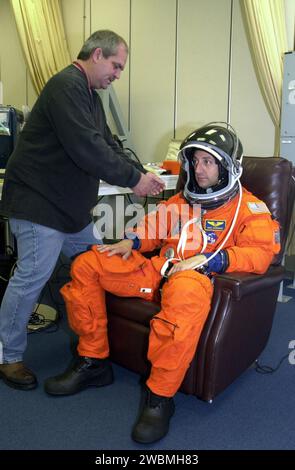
[186, 296]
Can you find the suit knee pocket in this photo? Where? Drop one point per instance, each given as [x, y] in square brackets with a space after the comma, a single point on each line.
[81, 316]
[169, 342]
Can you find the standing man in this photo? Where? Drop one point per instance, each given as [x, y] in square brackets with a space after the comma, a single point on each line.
[51, 185]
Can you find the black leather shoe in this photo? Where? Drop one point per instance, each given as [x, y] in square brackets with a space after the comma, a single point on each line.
[82, 373]
[153, 423]
[17, 375]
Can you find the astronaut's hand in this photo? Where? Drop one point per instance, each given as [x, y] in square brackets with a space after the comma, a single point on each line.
[123, 248]
[185, 265]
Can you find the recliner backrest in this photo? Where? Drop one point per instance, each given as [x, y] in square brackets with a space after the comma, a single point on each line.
[270, 179]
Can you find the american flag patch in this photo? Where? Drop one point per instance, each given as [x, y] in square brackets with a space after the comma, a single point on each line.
[258, 207]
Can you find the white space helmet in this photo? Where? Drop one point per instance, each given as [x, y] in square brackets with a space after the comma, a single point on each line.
[219, 140]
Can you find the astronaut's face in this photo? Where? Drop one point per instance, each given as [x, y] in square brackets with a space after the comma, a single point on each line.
[206, 169]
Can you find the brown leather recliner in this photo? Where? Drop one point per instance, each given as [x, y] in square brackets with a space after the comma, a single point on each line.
[243, 305]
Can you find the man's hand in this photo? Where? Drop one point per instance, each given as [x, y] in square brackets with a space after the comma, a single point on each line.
[123, 248]
[186, 264]
[149, 184]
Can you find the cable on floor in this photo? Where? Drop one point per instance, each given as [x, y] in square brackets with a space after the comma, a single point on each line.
[265, 369]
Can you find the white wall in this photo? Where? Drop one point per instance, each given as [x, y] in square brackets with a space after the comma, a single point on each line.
[178, 70]
[202, 72]
[177, 74]
[290, 23]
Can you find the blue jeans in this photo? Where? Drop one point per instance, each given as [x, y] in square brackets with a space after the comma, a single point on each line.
[38, 250]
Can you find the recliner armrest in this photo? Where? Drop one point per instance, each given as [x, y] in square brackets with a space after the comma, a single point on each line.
[243, 284]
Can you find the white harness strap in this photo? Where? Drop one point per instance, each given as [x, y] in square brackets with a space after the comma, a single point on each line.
[183, 238]
[182, 242]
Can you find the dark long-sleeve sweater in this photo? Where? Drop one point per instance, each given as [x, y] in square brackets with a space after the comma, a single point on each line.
[65, 148]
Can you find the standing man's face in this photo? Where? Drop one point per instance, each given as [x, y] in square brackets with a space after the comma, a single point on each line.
[108, 70]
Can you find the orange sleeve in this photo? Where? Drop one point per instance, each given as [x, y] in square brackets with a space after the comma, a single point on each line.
[148, 231]
[256, 242]
[153, 228]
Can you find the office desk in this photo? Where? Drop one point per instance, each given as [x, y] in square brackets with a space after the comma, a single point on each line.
[106, 189]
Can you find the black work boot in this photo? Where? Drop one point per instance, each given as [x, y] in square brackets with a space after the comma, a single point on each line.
[17, 375]
[82, 373]
[153, 423]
